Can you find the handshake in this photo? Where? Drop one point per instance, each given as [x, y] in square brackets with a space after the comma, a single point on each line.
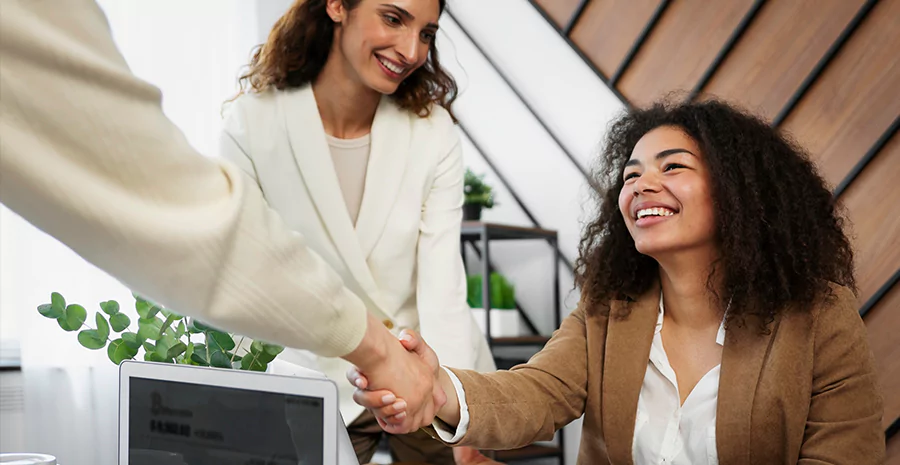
[408, 389]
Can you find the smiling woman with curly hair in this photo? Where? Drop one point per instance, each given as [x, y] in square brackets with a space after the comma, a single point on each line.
[718, 319]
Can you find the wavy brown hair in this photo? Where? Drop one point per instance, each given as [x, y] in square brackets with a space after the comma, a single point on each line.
[298, 46]
[779, 231]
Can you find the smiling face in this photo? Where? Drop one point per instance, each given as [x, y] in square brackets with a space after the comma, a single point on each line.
[667, 201]
[384, 41]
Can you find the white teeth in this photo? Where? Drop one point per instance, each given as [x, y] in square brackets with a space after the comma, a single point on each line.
[644, 212]
[391, 66]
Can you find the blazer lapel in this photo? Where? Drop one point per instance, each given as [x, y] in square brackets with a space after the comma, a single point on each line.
[743, 356]
[628, 344]
[387, 164]
[312, 154]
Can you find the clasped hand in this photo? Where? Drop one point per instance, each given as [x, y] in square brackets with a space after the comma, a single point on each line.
[392, 412]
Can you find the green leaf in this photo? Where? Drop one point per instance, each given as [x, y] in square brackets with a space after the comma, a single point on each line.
[142, 307]
[251, 363]
[176, 350]
[197, 327]
[57, 301]
[119, 351]
[131, 340]
[200, 355]
[189, 351]
[165, 343]
[49, 311]
[149, 328]
[90, 339]
[102, 327]
[264, 353]
[220, 359]
[273, 349]
[148, 347]
[170, 314]
[110, 307]
[72, 318]
[119, 322]
[180, 330]
[154, 357]
[220, 340]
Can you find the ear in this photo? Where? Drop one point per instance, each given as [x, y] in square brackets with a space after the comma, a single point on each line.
[336, 10]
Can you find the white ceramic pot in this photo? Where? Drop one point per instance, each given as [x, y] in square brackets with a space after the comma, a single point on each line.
[27, 459]
[504, 323]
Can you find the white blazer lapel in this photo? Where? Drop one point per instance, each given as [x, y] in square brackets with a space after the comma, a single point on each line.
[387, 164]
[312, 154]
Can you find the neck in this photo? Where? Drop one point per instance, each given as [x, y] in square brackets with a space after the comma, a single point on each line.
[685, 289]
[346, 105]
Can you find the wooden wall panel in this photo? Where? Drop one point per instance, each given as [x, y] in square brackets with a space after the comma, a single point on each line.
[872, 205]
[883, 323]
[560, 11]
[777, 52]
[683, 44]
[608, 28]
[856, 97]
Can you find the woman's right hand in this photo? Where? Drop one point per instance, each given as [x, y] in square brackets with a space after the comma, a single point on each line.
[389, 411]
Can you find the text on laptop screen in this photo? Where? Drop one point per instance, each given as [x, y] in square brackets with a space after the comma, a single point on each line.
[193, 424]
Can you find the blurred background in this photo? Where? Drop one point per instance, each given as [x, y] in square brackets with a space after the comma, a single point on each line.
[540, 80]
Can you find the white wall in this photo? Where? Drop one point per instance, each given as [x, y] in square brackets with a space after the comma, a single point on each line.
[572, 101]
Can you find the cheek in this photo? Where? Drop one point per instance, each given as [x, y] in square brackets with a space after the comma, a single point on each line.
[625, 199]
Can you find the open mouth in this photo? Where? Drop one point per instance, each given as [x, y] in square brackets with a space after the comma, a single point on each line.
[391, 68]
[650, 216]
[655, 211]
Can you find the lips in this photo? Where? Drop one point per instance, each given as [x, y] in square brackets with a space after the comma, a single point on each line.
[650, 213]
[391, 67]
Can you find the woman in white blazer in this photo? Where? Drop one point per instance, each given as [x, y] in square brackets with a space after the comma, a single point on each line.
[345, 122]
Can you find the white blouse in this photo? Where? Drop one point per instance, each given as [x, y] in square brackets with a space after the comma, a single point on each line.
[665, 432]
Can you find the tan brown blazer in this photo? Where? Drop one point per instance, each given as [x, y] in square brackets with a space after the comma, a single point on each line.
[804, 393]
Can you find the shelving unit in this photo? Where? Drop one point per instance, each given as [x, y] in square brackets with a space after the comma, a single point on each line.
[473, 233]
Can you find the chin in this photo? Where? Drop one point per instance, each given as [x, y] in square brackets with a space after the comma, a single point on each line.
[383, 86]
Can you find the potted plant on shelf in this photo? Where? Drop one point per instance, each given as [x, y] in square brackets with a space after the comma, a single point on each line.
[478, 195]
[505, 320]
[163, 336]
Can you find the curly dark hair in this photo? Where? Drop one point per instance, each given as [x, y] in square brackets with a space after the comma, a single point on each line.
[298, 46]
[779, 231]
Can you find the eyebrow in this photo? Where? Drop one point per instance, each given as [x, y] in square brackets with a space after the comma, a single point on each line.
[406, 14]
[660, 155]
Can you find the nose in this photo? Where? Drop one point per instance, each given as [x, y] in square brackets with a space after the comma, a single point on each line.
[647, 183]
[408, 47]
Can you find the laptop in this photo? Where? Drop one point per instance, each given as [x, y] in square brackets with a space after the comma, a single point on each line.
[188, 415]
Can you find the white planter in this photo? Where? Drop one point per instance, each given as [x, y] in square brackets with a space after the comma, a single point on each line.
[504, 323]
[27, 459]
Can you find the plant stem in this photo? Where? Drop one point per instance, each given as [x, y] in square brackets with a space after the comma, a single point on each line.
[238, 346]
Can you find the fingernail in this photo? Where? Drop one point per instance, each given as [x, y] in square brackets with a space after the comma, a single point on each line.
[400, 415]
[400, 405]
[358, 383]
[388, 399]
[403, 335]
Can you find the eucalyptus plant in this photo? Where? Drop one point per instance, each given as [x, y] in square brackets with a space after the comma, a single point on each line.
[162, 335]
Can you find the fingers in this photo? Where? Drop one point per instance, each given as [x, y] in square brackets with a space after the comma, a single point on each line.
[356, 378]
[409, 339]
[382, 404]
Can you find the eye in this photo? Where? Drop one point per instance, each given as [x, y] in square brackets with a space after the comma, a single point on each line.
[391, 20]
[673, 166]
[427, 36]
[631, 175]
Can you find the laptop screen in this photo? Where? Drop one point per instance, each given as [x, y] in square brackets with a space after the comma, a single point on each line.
[192, 424]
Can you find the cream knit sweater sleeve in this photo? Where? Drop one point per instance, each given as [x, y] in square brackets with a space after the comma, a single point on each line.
[87, 156]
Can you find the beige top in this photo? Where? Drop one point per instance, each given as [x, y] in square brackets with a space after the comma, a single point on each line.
[351, 158]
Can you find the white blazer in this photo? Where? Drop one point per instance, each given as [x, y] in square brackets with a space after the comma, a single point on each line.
[403, 258]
